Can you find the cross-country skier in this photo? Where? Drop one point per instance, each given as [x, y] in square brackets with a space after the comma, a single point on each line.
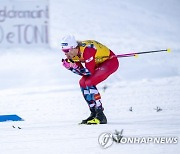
[95, 71]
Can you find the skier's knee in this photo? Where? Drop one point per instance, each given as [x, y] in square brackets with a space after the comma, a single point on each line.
[89, 83]
[82, 82]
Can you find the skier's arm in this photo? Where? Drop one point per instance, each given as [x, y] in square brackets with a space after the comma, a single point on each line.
[89, 57]
[81, 71]
[72, 66]
[77, 68]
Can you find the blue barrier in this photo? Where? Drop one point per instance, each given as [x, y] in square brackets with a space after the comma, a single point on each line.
[12, 117]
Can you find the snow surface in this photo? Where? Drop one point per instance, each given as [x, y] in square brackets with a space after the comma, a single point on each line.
[36, 87]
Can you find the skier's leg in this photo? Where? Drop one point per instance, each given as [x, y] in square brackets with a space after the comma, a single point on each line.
[86, 93]
[95, 96]
[88, 84]
[88, 97]
[100, 118]
[90, 92]
[92, 97]
[101, 73]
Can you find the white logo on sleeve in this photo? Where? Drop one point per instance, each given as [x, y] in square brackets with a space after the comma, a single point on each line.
[89, 60]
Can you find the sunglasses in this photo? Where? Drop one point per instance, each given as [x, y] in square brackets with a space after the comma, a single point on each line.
[66, 50]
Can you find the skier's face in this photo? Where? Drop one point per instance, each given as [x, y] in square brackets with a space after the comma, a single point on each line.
[72, 53]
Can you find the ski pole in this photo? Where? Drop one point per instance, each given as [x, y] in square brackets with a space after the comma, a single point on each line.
[135, 54]
[138, 53]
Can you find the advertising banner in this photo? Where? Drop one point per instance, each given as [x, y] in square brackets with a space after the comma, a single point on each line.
[24, 23]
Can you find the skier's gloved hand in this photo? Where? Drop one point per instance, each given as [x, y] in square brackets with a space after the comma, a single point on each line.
[69, 65]
[65, 64]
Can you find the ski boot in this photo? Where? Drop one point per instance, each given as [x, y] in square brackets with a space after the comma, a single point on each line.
[99, 119]
[92, 116]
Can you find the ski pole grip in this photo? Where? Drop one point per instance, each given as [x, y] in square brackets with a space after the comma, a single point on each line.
[71, 60]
